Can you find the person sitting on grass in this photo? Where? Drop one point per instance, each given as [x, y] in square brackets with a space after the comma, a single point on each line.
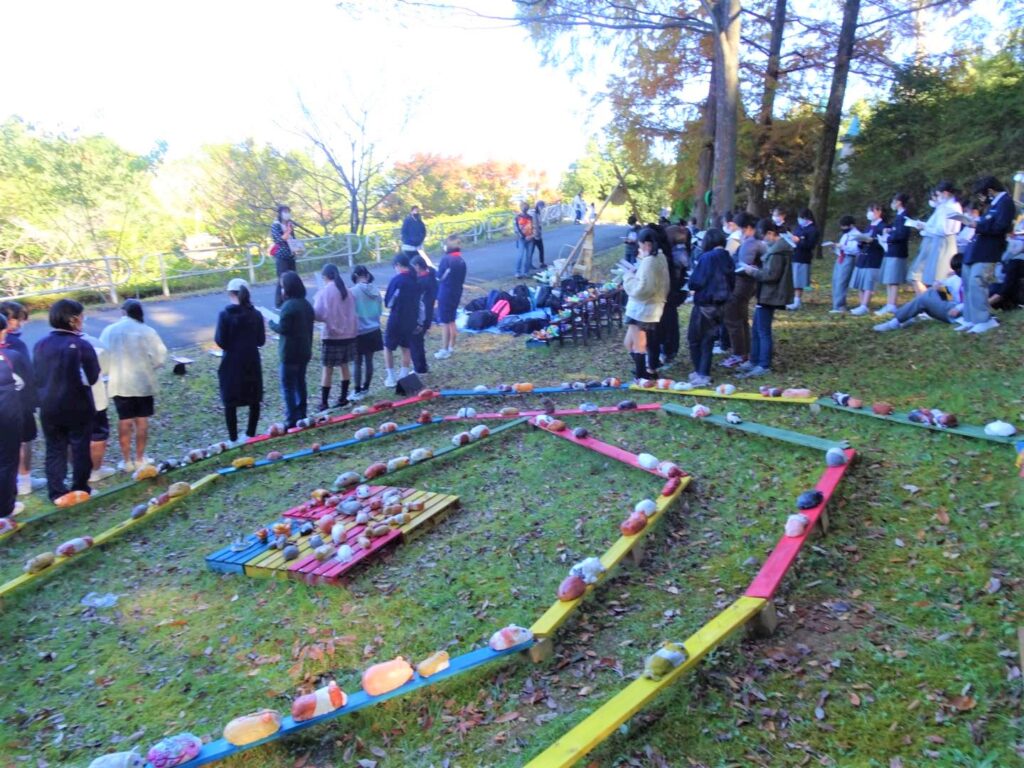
[774, 291]
[943, 302]
[646, 287]
[712, 282]
[402, 298]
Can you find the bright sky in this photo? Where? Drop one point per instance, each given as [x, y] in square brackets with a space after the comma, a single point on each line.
[207, 71]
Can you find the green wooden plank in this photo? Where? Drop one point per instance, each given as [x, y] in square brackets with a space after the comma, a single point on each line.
[763, 430]
[964, 430]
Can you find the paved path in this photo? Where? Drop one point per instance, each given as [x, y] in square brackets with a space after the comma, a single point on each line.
[189, 320]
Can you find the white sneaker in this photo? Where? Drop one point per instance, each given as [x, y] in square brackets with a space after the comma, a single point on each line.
[242, 440]
[888, 309]
[403, 372]
[442, 354]
[27, 484]
[888, 325]
[125, 466]
[717, 350]
[924, 316]
[842, 311]
[18, 509]
[389, 380]
[101, 474]
[988, 325]
[964, 326]
[861, 310]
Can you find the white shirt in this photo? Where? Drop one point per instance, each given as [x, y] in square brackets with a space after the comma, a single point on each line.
[939, 224]
[134, 353]
[99, 389]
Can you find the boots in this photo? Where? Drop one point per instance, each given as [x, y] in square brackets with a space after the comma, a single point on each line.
[344, 394]
[325, 393]
[639, 364]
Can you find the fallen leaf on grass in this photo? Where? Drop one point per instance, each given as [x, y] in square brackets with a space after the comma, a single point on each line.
[911, 489]
[855, 699]
[172, 623]
[507, 717]
[942, 516]
[962, 703]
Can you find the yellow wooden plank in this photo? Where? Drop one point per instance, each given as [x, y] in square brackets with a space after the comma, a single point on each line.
[561, 610]
[103, 538]
[734, 396]
[602, 723]
[438, 506]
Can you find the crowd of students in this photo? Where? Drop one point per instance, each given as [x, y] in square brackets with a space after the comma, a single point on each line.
[769, 263]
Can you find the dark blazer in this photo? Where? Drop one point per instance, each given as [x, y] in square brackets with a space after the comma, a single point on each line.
[899, 237]
[240, 334]
[803, 251]
[990, 233]
[61, 361]
[403, 299]
[428, 297]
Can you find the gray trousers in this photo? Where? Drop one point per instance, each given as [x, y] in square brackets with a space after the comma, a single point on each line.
[977, 278]
[841, 274]
[928, 302]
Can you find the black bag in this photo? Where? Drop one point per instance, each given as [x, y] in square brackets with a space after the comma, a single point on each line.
[521, 325]
[481, 319]
[546, 298]
[573, 284]
[410, 386]
[494, 296]
[519, 305]
[477, 304]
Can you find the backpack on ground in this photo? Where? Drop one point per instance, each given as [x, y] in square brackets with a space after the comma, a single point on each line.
[477, 304]
[501, 309]
[545, 298]
[481, 319]
[524, 222]
[520, 301]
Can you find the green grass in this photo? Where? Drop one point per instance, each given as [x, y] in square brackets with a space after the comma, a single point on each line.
[884, 621]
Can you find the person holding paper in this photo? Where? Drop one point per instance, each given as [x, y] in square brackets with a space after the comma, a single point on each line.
[805, 240]
[295, 328]
[989, 243]
[869, 259]
[938, 235]
[774, 291]
[646, 286]
[846, 249]
[894, 265]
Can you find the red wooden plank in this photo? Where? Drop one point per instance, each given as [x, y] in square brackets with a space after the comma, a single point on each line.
[339, 569]
[779, 561]
[603, 448]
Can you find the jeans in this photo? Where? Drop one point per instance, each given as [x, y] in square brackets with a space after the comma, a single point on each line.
[60, 437]
[293, 392]
[929, 302]
[700, 334]
[761, 341]
[524, 264]
[418, 352]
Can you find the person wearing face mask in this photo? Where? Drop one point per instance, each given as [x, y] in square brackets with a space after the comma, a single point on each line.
[805, 240]
[414, 232]
[846, 248]
[281, 232]
[869, 259]
[646, 286]
[774, 291]
[779, 219]
[894, 265]
[938, 235]
[980, 265]
[712, 281]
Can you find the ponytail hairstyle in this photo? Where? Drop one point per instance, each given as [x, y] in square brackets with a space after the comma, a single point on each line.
[244, 299]
[330, 272]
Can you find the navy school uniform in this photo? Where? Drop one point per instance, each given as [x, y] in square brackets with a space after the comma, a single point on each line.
[66, 367]
[427, 285]
[894, 265]
[869, 260]
[15, 381]
[403, 299]
[29, 431]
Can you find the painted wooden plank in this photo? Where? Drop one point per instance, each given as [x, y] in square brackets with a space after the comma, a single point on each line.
[431, 516]
[762, 430]
[574, 745]
[781, 558]
[612, 452]
[1019, 447]
[494, 392]
[565, 412]
[219, 749]
[964, 430]
[756, 396]
[560, 611]
[102, 538]
[340, 419]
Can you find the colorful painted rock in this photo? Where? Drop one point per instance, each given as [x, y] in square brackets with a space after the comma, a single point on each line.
[854, 402]
[338, 533]
[276, 430]
[466, 412]
[360, 410]
[522, 387]
[282, 529]
[999, 428]
[664, 660]
[633, 524]
[647, 506]
[626, 405]
[350, 506]
[647, 460]
[8, 525]
[387, 676]
[645, 383]
[555, 425]
[364, 433]
[382, 405]
[346, 479]
[733, 418]
[725, 389]
[700, 411]
[669, 469]
[508, 411]
[363, 542]
[119, 760]
[174, 750]
[315, 542]
[580, 433]
[375, 470]
[480, 388]
[145, 472]
[433, 664]
[178, 489]
[671, 486]
[809, 499]
[589, 407]
[577, 385]
[480, 431]
[509, 637]
[364, 491]
[425, 417]
[74, 546]
[377, 531]
[428, 394]
[71, 498]
[243, 462]
[571, 588]
[252, 727]
[463, 438]
[397, 463]
[664, 383]
[326, 523]
[834, 457]
[796, 525]
[611, 381]
[796, 392]
[387, 428]
[290, 552]
[589, 569]
[682, 386]
[344, 553]
[770, 391]
[882, 409]
[420, 454]
[320, 702]
[40, 562]
[262, 534]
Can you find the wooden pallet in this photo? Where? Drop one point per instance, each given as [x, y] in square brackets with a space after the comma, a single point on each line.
[964, 430]
[756, 396]
[602, 723]
[762, 430]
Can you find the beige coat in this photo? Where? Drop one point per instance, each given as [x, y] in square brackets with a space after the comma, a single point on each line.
[647, 289]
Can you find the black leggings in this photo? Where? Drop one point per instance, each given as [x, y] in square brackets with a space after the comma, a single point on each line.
[231, 417]
[539, 245]
[364, 362]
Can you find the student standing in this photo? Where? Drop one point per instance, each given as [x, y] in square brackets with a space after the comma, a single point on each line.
[295, 329]
[402, 299]
[847, 247]
[869, 259]
[894, 265]
[240, 333]
[451, 277]
[538, 231]
[426, 281]
[335, 307]
[369, 340]
[737, 310]
[99, 435]
[805, 238]
[989, 243]
[522, 224]
[65, 370]
[414, 232]
[135, 353]
[17, 316]
[15, 380]
[712, 282]
[774, 292]
[646, 287]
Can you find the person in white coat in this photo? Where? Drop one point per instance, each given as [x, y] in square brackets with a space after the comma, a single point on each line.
[647, 286]
[938, 239]
[134, 354]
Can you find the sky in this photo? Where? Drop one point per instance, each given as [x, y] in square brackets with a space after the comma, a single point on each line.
[195, 72]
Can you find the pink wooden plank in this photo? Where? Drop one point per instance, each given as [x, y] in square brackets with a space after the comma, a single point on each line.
[603, 448]
[779, 561]
[563, 412]
[376, 545]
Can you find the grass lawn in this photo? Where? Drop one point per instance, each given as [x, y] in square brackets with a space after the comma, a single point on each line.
[898, 642]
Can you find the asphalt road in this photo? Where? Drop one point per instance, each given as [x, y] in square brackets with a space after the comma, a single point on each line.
[189, 320]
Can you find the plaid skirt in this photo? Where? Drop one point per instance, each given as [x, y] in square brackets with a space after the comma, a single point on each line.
[335, 352]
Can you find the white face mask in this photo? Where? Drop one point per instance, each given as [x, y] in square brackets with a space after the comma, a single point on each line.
[778, 220]
[932, 203]
[286, 216]
[803, 222]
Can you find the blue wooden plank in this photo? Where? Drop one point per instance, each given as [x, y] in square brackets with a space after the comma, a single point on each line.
[220, 749]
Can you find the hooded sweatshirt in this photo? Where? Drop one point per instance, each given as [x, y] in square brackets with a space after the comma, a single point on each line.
[369, 305]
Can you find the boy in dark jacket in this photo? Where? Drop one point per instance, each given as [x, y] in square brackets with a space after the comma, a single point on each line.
[402, 298]
[774, 291]
[712, 282]
[426, 280]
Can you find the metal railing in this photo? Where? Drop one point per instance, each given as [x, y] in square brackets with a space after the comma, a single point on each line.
[206, 261]
[102, 275]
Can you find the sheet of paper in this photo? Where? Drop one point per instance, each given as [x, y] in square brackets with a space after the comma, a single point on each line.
[268, 314]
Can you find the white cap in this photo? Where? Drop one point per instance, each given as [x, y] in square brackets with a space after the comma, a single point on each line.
[236, 283]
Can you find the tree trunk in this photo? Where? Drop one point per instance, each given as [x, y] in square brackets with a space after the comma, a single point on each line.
[759, 173]
[705, 162]
[822, 182]
[727, 59]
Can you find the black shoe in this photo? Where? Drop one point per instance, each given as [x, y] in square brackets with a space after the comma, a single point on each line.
[323, 405]
[341, 404]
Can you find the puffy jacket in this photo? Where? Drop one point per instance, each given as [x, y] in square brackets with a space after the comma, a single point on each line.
[647, 289]
[134, 353]
[336, 313]
[775, 277]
